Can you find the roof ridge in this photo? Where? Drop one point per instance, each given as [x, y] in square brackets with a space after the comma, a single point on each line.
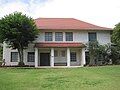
[53, 18]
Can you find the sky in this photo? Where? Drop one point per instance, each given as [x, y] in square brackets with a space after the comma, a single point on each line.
[104, 13]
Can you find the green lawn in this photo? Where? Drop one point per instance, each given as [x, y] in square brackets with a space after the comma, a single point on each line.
[87, 78]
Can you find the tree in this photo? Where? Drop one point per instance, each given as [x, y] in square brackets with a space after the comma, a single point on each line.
[92, 47]
[104, 53]
[98, 53]
[116, 47]
[116, 35]
[18, 30]
[115, 54]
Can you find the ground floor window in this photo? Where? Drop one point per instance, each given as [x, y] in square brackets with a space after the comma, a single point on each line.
[31, 57]
[14, 56]
[63, 53]
[56, 53]
[73, 56]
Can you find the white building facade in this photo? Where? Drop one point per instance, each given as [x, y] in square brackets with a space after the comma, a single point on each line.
[61, 42]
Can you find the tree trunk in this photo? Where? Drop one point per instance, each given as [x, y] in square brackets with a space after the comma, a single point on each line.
[92, 60]
[20, 51]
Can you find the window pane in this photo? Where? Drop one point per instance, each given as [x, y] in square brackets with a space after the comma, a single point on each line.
[58, 36]
[14, 56]
[92, 36]
[48, 36]
[69, 36]
[56, 53]
[31, 56]
[73, 56]
[63, 53]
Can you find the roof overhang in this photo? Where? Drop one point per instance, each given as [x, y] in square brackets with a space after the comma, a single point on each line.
[75, 29]
[59, 45]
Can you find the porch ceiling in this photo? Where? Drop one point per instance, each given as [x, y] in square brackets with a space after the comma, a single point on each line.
[59, 44]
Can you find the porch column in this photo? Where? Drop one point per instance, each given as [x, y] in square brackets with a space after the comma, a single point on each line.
[36, 57]
[52, 57]
[68, 57]
[83, 62]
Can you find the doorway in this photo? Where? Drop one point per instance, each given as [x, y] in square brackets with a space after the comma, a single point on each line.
[44, 59]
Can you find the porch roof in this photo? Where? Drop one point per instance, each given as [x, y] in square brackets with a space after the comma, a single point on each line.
[58, 44]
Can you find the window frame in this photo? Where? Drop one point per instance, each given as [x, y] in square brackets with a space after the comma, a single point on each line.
[29, 59]
[69, 36]
[48, 36]
[58, 36]
[12, 60]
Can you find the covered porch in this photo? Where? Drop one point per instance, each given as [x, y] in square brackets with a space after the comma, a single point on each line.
[59, 55]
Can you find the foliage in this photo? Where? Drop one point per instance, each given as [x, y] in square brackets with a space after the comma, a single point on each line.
[92, 47]
[99, 54]
[115, 54]
[17, 30]
[104, 53]
[116, 47]
[116, 35]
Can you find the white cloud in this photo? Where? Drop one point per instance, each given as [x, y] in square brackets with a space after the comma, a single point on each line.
[100, 12]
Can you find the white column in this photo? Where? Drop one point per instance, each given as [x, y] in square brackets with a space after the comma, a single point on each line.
[36, 57]
[52, 57]
[68, 57]
[83, 62]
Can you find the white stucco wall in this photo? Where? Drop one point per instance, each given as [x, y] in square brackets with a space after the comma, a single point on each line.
[103, 37]
[7, 55]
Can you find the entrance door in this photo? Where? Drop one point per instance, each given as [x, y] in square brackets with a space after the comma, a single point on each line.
[44, 59]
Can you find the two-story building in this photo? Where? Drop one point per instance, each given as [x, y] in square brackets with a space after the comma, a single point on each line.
[61, 42]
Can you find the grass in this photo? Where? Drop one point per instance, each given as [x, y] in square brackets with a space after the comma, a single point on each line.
[87, 78]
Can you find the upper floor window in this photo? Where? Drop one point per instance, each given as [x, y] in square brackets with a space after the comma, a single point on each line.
[48, 36]
[92, 36]
[58, 36]
[14, 56]
[31, 57]
[69, 36]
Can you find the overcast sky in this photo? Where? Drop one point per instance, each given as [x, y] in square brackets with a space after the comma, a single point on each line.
[100, 12]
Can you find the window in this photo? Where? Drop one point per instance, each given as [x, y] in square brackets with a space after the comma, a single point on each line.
[58, 36]
[92, 36]
[56, 53]
[69, 36]
[31, 57]
[63, 53]
[48, 36]
[73, 56]
[14, 56]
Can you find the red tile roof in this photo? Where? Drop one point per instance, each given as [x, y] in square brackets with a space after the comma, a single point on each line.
[59, 44]
[66, 23]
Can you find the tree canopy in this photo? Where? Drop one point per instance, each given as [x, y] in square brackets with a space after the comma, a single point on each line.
[17, 30]
[116, 34]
